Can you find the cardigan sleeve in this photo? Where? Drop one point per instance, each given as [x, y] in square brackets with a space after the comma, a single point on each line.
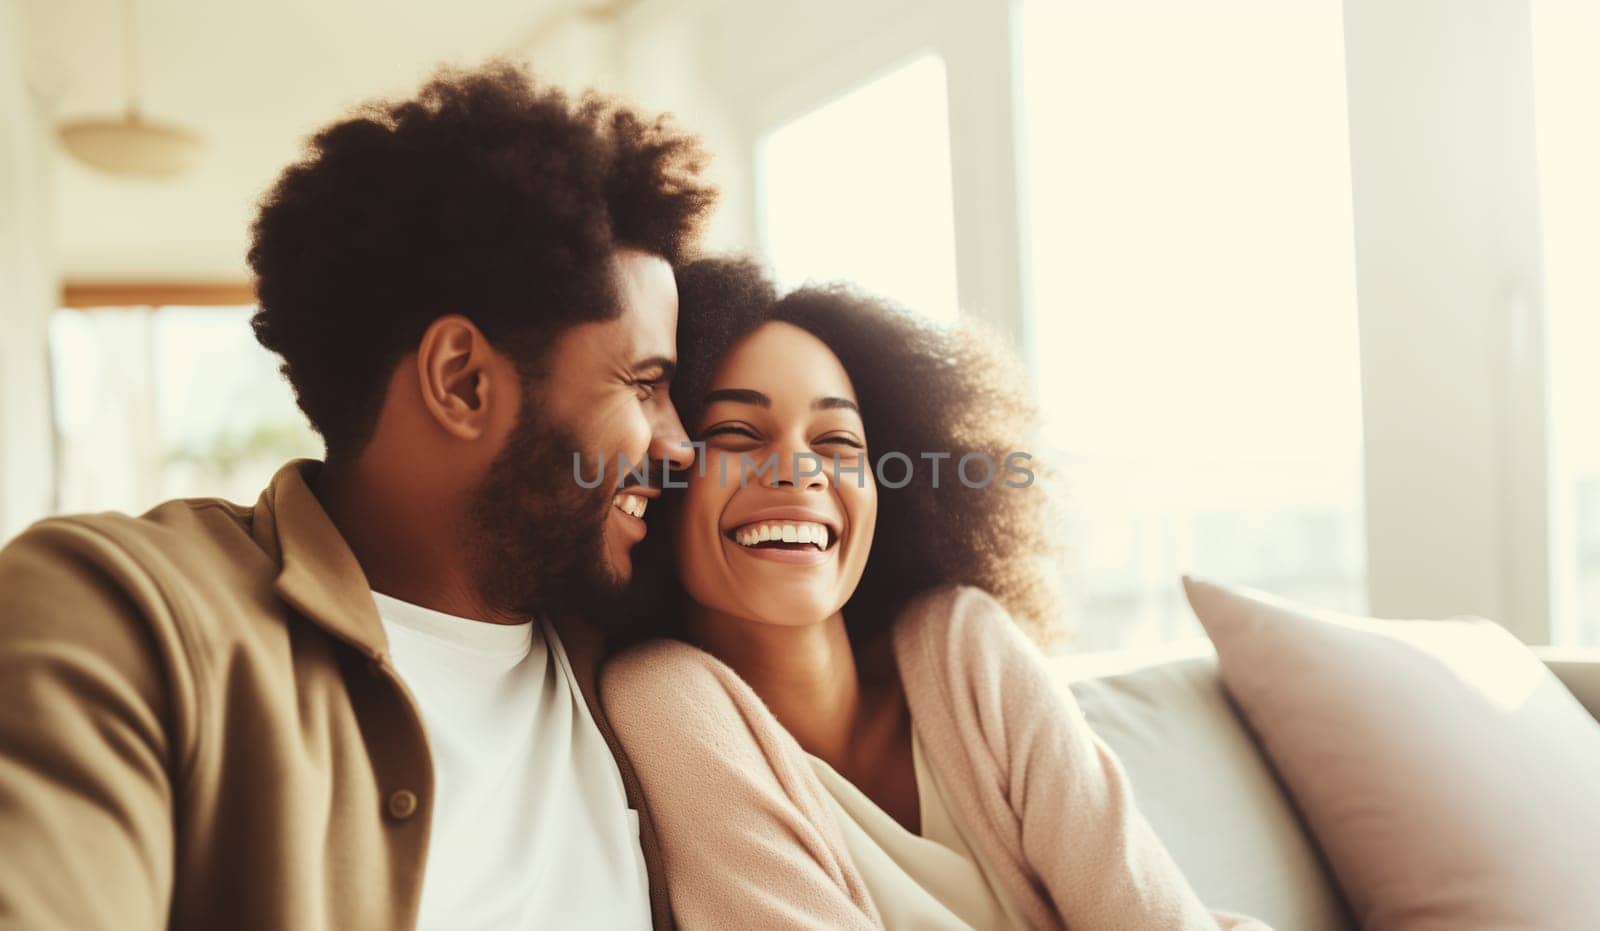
[747, 838]
[1072, 820]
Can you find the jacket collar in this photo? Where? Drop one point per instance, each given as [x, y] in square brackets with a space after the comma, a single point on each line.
[321, 578]
[319, 575]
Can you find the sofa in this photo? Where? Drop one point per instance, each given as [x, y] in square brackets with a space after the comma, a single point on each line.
[1210, 792]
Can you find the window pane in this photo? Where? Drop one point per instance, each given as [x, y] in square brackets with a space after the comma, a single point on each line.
[1566, 73]
[859, 189]
[176, 402]
[1192, 276]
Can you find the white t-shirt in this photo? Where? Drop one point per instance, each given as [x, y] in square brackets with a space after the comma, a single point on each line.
[531, 825]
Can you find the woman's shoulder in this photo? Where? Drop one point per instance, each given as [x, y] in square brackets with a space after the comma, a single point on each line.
[655, 660]
[960, 627]
[962, 657]
[699, 737]
[666, 681]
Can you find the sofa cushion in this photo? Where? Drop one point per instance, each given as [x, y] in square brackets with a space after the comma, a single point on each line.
[1210, 795]
[1579, 670]
[1449, 777]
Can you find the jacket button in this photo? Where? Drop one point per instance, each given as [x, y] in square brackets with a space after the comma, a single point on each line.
[403, 804]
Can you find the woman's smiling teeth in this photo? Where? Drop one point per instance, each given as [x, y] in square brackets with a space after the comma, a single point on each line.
[629, 504]
[775, 533]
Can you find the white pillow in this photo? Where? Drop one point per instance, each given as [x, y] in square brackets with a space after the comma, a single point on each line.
[1452, 781]
[1210, 795]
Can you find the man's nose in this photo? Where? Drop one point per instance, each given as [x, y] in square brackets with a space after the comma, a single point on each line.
[669, 443]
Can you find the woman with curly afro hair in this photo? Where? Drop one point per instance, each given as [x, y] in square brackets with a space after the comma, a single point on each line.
[840, 723]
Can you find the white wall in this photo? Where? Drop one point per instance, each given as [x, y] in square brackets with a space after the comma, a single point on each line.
[1450, 285]
[652, 55]
[661, 65]
[768, 62]
[28, 289]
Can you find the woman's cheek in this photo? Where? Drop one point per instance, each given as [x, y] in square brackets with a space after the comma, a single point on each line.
[862, 506]
[699, 537]
[691, 548]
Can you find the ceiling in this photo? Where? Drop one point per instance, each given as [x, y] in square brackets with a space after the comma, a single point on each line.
[254, 78]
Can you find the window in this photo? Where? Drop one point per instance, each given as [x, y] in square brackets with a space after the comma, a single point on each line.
[158, 403]
[859, 189]
[1190, 263]
[1565, 75]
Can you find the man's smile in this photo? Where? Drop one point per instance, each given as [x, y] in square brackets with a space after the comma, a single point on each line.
[629, 503]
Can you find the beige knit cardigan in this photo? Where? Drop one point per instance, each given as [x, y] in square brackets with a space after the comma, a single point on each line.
[749, 841]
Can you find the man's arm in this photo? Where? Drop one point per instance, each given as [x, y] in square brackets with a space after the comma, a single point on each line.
[86, 816]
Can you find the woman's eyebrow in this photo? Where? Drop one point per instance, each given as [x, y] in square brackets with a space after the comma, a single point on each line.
[751, 396]
[737, 396]
[834, 404]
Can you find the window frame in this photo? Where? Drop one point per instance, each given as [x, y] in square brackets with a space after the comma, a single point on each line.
[1481, 545]
[780, 62]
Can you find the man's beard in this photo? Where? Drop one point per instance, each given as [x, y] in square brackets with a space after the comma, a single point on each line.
[536, 538]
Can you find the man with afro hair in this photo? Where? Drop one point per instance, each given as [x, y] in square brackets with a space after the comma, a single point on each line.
[368, 700]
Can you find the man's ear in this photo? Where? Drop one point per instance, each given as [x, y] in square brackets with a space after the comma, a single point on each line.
[455, 374]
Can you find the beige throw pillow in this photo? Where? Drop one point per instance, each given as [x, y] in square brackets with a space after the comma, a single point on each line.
[1451, 780]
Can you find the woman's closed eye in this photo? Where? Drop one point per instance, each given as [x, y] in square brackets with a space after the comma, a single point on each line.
[730, 430]
[840, 439]
[742, 432]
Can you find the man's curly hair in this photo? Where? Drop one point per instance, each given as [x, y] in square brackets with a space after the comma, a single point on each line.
[485, 195]
[921, 388]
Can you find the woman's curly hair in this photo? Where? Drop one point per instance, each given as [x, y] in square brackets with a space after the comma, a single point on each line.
[921, 388]
[485, 195]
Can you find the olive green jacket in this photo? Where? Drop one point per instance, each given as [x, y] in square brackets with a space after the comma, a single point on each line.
[201, 726]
